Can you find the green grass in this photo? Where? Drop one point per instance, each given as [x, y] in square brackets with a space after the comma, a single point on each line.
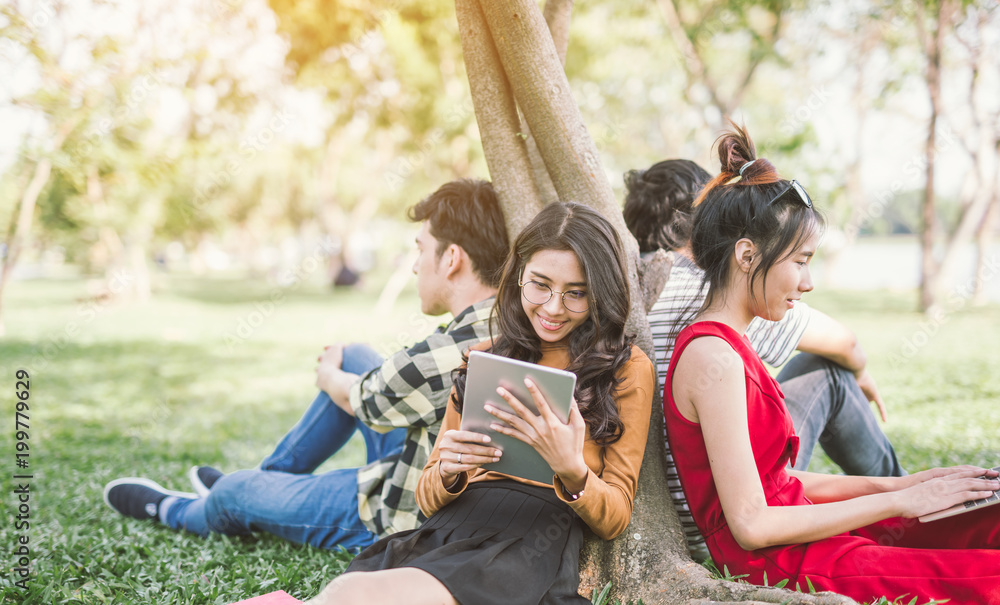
[156, 387]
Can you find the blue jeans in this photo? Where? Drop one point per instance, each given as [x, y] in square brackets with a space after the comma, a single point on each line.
[828, 406]
[283, 497]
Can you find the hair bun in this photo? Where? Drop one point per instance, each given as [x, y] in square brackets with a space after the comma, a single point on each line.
[736, 149]
[737, 153]
[738, 157]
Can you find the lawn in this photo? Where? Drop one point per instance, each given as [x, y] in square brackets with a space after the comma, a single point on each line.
[208, 373]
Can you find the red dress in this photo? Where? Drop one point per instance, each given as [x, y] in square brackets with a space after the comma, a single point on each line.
[954, 558]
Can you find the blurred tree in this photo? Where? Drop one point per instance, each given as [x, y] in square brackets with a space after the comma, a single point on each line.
[60, 97]
[391, 76]
[932, 22]
[696, 28]
[976, 118]
[148, 115]
[948, 26]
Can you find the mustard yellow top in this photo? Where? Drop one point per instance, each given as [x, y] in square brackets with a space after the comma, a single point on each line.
[606, 503]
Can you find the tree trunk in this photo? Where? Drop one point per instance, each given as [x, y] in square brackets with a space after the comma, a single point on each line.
[984, 237]
[24, 215]
[536, 76]
[933, 45]
[558, 14]
[649, 560]
[496, 115]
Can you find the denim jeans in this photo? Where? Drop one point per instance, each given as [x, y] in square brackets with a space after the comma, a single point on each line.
[282, 497]
[828, 406]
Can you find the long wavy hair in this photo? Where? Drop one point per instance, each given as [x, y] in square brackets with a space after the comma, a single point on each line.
[599, 347]
[733, 206]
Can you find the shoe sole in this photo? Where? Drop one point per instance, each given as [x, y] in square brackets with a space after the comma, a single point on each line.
[196, 482]
[146, 482]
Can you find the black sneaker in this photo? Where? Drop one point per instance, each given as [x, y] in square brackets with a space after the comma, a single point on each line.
[203, 478]
[139, 498]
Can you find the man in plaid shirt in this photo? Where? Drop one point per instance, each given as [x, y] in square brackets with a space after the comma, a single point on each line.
[397, 405]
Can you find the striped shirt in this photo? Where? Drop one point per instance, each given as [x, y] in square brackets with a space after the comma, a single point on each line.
[679, 302]
[410, 390]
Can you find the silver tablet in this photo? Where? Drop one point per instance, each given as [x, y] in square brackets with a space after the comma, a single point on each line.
[486, 373]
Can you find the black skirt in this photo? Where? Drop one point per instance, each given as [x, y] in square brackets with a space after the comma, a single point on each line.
[498, 542]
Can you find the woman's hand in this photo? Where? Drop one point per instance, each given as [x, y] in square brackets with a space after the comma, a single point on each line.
[461, 451]
[560, 444]
[940, 488]
[933, 473]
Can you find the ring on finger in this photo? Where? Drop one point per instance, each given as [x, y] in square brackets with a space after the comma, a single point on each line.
[460, 457]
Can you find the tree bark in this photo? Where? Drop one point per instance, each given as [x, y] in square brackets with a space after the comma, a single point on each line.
[558, 14]
[540, 87]
[653, 275]
[499, 124]
[24, 215]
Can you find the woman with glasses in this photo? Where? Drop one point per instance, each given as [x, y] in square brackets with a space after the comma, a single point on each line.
[493, 538]
[754, 235]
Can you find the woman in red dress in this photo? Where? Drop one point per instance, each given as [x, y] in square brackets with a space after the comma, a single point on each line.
[754, 234]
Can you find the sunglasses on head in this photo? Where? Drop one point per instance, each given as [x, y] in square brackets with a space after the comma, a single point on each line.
[803, 196]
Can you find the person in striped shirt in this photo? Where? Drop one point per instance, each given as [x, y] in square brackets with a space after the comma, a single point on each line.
[827, 386]
[397, 404]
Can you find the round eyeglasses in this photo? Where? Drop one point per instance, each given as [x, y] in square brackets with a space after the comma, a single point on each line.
[538, 293]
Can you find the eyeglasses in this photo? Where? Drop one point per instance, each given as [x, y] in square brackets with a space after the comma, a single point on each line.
[538, 293]
[803, 196]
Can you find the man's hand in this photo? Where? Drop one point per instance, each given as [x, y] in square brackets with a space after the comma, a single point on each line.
[333, 355]
[332, 379]
[870, 389]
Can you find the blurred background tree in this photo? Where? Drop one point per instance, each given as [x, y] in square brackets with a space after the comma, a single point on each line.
[239, 135]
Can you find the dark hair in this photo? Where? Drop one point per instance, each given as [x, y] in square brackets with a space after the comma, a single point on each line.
[658, 203]
[729, 210]
[466, 212]
[599, 347]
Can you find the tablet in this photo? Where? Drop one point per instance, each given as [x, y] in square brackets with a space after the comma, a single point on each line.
[486, 372]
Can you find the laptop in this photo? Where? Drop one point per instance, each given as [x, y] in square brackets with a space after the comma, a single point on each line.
[964, 507]
[486, 372]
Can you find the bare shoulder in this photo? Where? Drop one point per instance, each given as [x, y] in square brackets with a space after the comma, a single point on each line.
[709, 355]
[708, 373]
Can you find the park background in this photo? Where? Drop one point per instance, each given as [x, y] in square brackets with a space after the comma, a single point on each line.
[181, 181]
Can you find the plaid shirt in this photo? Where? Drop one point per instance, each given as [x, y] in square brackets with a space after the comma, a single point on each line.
[679, 302]
[410, 390]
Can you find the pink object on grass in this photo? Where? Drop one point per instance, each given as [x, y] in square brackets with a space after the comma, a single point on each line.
[279, 597]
